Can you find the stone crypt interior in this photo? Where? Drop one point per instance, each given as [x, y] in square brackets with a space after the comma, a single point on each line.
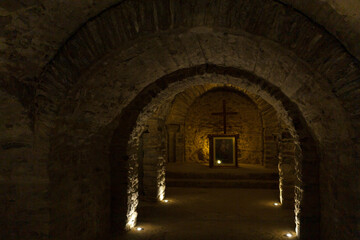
[110, 113]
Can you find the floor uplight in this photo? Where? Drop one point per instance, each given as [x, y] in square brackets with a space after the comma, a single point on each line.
[289, 235]
[139, 228]
[276, 204]
[166, 200]
[218, 162]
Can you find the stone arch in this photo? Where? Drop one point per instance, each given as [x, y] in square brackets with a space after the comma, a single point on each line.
[44, 46]
[98, 37]
[62, 74]
[284, 153]
[287, 72]
[302, 131]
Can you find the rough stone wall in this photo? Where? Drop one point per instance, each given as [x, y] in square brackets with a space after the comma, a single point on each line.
[125, 81]
[271, 136]
[290, 76]
[26, 27]
[270, 121]
[85, 194]
[129, 116]
[287, 158]
[271, 131]
[307, 198]
[200, 123]
[154, 147]
[283, 26]
[24, 201]
[337, 16]
[177, 115]
[292, 31]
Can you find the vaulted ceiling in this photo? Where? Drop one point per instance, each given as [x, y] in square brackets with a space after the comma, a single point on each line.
[32, 31]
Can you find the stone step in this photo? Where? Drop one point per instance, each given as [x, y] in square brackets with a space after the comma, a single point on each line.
[227, 183]
[222, 175]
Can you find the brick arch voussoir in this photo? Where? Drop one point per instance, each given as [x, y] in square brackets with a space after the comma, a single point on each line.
[133, 109]
[127, 21]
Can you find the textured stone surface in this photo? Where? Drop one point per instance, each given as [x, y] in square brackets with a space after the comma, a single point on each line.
[301, 170]
[113, 91]
[270, 122]
[23, 177]
[337, 16]
[154, 160]
[236, 214]
[78, 99]
[27, 26]
[200, 123]
[37, 29]
[157, 70]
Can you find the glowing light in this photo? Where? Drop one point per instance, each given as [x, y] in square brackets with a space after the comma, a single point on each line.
[289, 235]
[161, 197]
[161, 190]
[131, 222]
[166, 200]
[218, 161]
[276, 204]
[139, 228]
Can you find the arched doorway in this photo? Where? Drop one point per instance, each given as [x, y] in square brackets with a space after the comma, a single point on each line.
[133, 141]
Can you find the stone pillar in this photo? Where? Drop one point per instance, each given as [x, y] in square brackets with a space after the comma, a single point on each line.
[154, 162]
[287, 170]
[271, 148]
[307, 198]
[172, 129]
[150, 163]
[180, 145]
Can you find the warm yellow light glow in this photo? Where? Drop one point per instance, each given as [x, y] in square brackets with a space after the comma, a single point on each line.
[161, 190]
[139, 228]
[218, 162]
[131, 221]
[276, 204]
[166, 200]
[289, 235]
[161, 197]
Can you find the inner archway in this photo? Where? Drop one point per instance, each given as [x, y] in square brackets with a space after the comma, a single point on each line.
[271, 145]
[190, 181]
[206, 117]
[238, 81]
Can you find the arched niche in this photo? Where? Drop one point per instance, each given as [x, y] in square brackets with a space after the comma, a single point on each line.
[270, 124]
[246, 121]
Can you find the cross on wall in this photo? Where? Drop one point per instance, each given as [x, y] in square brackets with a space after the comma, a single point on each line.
[224, 113]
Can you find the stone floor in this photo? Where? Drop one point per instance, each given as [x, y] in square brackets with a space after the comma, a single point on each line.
[213, 213]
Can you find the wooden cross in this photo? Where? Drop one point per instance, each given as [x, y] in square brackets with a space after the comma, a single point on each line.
[224, 113]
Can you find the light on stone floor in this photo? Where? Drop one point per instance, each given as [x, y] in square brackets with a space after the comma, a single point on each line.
[289, 235]
[218, 161]
[276, 204]
[139, 229]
